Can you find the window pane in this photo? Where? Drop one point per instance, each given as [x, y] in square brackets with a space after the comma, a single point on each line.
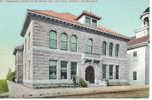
[94, 22]
[104, 48]
[88, 20]
[103, 71]
[110, 71]
[53, 40]
[63, 70]
[52, 69]
[73, 69]
[117, 50]
[73, 43]
[53, 35]
[110, 49]
[117, 72]
[134, 75]
[135, 54]
[64, 41]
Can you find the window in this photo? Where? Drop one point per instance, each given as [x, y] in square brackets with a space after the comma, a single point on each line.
[110, 71]
[117, 71]
[53, 40]
[117, 50]
[110, 49]
[88, 20]
[103, 71]
[94, 22]
[74, 43]
[90, 45]
[134, 75]
[52, 69]
[64, 41]
[104, 48]
[63, 70]
[73, 69]
[135, 53]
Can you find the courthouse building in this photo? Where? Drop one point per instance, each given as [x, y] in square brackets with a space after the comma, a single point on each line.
[60, 46]
[139, 53]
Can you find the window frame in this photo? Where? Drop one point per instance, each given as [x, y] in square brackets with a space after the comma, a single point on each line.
[134, 75]
[53, 40]
[117, 50]
[87, 20]
[110, 72]
[110, 49]
[104, 68]
[73, 44]
[90, 46]
[62, 71]
[135, 54]
[53, 67]
[94, 22]
[117, 71]
[64, 42]
[104, 48]
[73, 70]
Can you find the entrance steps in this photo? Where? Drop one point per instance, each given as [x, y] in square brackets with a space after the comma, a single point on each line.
[99, 84]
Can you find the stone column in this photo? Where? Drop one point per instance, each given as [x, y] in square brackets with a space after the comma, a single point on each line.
[58, 70]
[69, 71]
[114, 71]
[107, 71]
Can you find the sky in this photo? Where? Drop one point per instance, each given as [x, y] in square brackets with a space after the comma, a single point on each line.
[119, 15]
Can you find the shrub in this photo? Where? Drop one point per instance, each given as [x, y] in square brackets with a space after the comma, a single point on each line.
[3, 86]
[10, 75]
[82, 83]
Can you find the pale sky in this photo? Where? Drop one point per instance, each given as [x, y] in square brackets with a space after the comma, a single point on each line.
[119, 15]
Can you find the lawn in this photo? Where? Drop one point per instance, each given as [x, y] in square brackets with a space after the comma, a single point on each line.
[3, 86]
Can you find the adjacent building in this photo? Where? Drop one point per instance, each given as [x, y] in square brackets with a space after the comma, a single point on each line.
[139, 53]
[60, 46]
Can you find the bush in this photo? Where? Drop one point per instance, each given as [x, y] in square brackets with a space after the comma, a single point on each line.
[10, 75]
[3, 86]
[82, 83]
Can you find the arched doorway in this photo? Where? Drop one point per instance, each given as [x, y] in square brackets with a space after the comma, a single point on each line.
[89, 74]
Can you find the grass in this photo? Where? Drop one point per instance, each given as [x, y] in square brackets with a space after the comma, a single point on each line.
[3, 86]
[142, 93]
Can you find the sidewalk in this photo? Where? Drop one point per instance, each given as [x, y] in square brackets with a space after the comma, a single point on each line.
[4, 95]
[20, 91]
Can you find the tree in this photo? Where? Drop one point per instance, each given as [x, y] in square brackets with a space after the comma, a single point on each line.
[10, 75]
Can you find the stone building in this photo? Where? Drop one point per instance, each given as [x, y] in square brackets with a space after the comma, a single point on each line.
[18, 52]
[60, 46]
[139, 53]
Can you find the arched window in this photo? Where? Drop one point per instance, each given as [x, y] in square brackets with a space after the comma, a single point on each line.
[64, 41]
[117, 50]
[73, 43]
[53, 40]
[90, 45]
[146, 21]
[110, 49]
[104, 45]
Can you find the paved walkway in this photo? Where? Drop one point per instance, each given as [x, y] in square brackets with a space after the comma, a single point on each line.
[4, 95]
[20, 91]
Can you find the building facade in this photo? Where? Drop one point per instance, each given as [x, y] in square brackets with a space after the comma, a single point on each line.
[139, 52]
[60, 46]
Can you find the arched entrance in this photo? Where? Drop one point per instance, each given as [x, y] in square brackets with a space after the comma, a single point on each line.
[89, 74]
